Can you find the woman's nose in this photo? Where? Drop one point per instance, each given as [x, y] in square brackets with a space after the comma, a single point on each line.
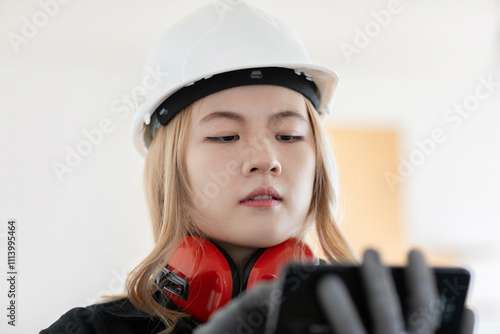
[262, 161]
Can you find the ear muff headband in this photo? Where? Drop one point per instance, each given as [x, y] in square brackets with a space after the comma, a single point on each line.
[201, 277]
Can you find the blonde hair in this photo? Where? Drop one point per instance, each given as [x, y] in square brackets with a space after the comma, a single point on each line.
[172, 209]
[168, 200]
[325, 201]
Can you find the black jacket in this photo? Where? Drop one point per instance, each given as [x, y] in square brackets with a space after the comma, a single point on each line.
[119, 316]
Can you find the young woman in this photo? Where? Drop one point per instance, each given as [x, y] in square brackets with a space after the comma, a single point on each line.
[240, 180]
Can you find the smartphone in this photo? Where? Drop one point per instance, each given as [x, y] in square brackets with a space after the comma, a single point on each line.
[298, 311]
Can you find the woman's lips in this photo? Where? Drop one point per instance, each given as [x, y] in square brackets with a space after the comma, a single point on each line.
[262, 197]
[261, 203]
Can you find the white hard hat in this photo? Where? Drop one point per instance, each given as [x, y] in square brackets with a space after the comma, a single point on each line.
[215, 40]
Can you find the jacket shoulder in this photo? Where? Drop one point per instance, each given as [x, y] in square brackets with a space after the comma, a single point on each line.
[117, 316]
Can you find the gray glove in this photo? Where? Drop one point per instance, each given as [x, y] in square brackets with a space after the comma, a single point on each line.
[245, 314]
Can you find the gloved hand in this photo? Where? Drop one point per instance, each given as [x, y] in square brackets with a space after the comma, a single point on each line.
[248, 312]
[383, 302]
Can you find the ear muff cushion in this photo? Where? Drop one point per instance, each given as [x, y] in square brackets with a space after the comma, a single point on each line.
[208, 274]
[274, 259]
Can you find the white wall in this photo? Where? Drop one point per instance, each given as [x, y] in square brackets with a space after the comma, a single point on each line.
[77, 237]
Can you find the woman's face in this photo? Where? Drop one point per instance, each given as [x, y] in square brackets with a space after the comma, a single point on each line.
[250, 161]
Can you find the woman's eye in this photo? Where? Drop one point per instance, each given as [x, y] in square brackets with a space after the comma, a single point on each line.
[223, 139]
[289, 139]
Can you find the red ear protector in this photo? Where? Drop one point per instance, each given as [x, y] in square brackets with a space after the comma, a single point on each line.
[201, 277]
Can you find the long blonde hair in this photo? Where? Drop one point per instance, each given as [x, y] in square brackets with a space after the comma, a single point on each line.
[325, 201]
[173, 211]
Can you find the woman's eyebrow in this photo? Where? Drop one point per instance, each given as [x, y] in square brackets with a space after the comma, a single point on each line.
[287, 114]
[222, 114]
